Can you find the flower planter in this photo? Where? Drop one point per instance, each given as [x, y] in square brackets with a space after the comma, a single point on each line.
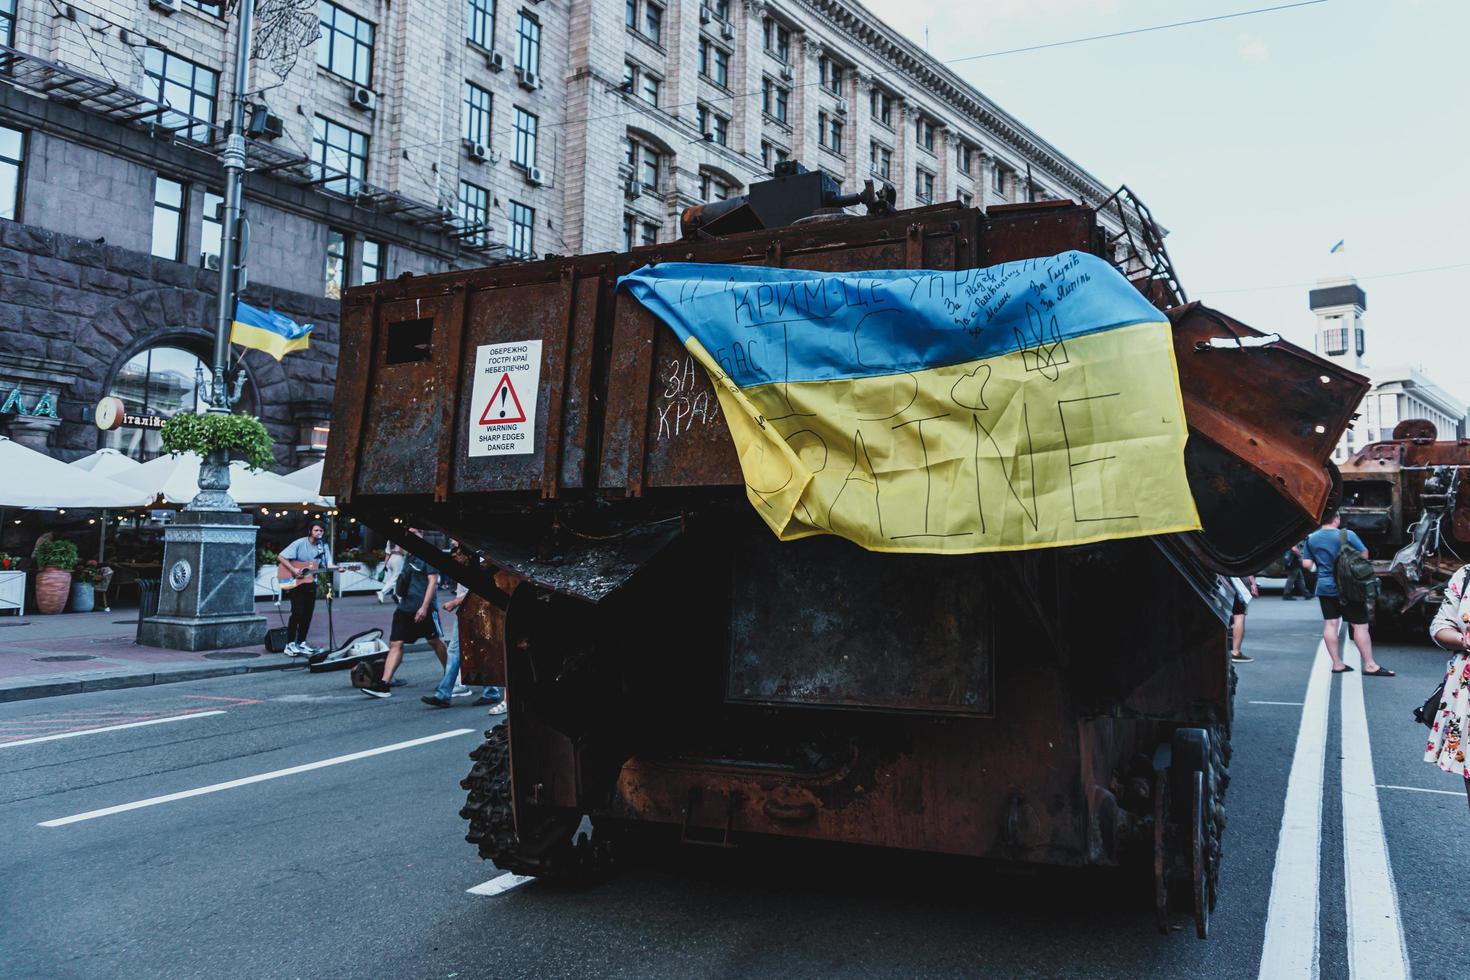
[53, 588]
[83, 597]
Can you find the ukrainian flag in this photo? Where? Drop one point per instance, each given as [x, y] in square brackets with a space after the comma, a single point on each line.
[269, 331]
[1026, 405]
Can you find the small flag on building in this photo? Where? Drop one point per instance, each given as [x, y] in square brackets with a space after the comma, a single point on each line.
[1338, 247]
[269, 331]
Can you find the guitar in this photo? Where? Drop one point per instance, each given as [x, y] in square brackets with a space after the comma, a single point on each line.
[288, 583]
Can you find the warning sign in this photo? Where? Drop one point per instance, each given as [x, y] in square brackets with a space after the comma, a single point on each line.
[503, 399]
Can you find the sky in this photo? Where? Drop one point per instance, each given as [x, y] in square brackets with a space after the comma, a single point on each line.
[1259, 142]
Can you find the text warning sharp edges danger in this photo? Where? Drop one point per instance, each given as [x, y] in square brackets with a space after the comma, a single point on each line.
[503, 402]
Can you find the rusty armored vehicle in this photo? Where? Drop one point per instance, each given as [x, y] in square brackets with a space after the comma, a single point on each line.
[1408, 500]
[675, 673]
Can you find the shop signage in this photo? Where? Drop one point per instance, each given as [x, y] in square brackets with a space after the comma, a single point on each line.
[44, 408]
[110, 415]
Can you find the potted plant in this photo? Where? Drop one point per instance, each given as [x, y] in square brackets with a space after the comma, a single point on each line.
[84, 579]
[265, 558]
[55, 559]
[12, 583]
[217, 438]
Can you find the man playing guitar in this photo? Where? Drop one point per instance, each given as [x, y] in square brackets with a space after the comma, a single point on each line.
[296, 568]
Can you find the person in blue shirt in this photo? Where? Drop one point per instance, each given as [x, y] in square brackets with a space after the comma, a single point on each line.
[1323, 546]
[313, 551]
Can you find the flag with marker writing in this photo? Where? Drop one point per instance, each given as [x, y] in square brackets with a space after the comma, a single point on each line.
[1025, 405]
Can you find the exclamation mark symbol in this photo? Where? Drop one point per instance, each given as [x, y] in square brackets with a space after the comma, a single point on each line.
[504, 391]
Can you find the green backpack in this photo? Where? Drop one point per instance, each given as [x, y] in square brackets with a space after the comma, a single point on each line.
[1356, 580]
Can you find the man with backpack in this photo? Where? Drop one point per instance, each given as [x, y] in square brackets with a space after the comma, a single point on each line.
[1346, 589]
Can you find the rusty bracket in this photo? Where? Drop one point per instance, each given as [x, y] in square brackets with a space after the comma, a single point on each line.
[691, 807]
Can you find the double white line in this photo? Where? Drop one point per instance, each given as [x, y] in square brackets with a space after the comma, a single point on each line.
[1293, 923]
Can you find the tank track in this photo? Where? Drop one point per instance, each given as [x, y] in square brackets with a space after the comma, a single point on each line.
[489, 809]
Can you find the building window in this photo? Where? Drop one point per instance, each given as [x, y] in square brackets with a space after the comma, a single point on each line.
[965, 158]
[525, 127]
[211, 228]
[712, 188]
[829, 132]
[924, 133]
[714, 126]
[1358, 342]
[199, 5]
[474, 212]
[477, 103]
[1335, 341]
[998, 180]
[186, 91]
[643, 162]
[653, 21]
[775, 100]
[160, 382]
[345, 46]
[924, 186]
[714, 63]
[522, 231]
[881, 105]
[880, 160]
[721, 10]
[630, 225]
[338, 156]
[641, 82]
[648, 233]
[336, 275]
[7, 22]
[481, 26]
[968, 200]
[168, 218]
[12, 165]
[630, 14]
[777, 41]
[374, 255]
[528, 44]
[831, 74]
[771, 154]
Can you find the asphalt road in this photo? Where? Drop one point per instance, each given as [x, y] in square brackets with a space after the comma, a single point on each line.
[357, 868]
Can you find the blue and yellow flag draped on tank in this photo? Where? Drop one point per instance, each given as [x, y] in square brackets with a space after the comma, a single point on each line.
[1025, 405]
[269, 331]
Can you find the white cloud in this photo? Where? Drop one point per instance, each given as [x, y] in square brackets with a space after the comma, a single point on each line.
[1252, 49]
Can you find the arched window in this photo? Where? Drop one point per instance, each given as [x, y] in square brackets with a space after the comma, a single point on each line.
[155, 384]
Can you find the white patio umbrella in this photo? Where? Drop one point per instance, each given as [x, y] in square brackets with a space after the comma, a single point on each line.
[176, 479]
[105, 462]
[309, 478]
[35, 480]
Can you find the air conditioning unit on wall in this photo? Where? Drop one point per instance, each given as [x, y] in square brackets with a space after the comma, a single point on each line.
[727, 31]
[633, 189]
[165, 6]
[841, 106]
[528, 79]
[363, 98]
[535, 177]
[495, 60]
[786, 73]
[476, 151]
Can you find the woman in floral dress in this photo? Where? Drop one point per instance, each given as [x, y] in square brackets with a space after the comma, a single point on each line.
[1449, 738]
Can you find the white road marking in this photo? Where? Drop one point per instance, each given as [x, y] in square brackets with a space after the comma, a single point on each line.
[1421, 789]
[1287, 704]
[1374, 935]
[1293, 939]
[248, 780]
[109, 728]
[501, 885]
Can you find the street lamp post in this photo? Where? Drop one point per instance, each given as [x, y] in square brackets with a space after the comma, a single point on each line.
[233, 159]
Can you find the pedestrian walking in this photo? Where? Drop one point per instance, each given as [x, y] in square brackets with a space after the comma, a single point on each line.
[1323, 547]
[451, 685]
[392, 565]
[296, 567]
[1451, 728]
[413, 619]
[1245, 591]
[1296, 575]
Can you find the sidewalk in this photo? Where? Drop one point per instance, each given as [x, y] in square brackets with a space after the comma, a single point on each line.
[43, 656]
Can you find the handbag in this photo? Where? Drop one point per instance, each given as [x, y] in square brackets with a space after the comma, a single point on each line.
[1429, 710]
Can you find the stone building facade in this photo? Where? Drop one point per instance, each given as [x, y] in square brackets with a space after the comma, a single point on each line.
[414, 137]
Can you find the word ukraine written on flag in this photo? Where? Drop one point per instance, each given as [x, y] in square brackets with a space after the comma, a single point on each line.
[269, 331]
[1026, 405]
